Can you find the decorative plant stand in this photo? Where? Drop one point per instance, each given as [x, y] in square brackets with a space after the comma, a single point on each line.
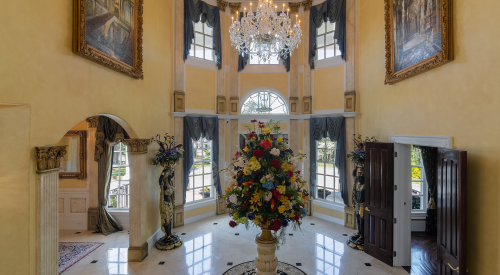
[266, 260]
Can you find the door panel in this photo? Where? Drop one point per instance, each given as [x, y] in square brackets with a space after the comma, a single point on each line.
[379, 176]
[452, 207]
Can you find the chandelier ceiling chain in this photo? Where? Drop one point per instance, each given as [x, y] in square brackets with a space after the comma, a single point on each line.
[265, 33]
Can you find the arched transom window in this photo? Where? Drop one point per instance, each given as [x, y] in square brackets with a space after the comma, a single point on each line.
[264, 102]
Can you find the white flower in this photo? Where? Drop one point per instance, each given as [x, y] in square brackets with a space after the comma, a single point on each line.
[233, 198]
[268, 196]
[228, 175]
[275, 152]
[290, 204]
[295, 185]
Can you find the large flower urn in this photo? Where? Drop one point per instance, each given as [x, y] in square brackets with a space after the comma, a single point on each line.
[266, 260]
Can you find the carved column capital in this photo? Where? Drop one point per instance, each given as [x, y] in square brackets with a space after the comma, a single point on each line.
[307, 4]
[294, 7]
[222, 5]
[137, 145]
[48, 158]
[92, 121]
[234, 7]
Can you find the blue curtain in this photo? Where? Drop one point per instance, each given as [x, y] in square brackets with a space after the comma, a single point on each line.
[333, 11]
[334, 128]
[196, 11]
[194, 129]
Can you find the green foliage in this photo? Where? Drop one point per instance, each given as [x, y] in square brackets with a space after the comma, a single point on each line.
[416, 173]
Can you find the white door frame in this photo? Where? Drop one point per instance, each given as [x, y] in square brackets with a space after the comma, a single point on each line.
[402, 196]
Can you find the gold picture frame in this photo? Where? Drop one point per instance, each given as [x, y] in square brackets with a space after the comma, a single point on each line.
[82, 156]
[435, 17]
[128, 57]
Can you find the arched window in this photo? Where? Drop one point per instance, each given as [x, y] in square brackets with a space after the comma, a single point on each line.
[264, 102]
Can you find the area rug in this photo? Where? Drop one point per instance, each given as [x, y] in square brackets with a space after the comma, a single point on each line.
[248, 268]
[71, 253]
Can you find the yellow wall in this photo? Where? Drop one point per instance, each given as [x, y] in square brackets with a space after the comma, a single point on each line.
[38, 68]
[249, 81]
[328, 212]
[460, 99]
[200, 88]
[199, 211]
[329, 88]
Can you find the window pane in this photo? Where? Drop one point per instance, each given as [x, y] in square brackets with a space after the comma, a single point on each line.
[198, 168]
[113, 201]
[124, 187]
[198, 181]
[209, 42]
[416, 188]
[274, 61]
[116, 158]
[190, 183]
[198, 38]
[198, 52]
[207, 29]
[191, 50]
[415, 202]
[321, 155]
[207, 180]
[329, 39]
[198, 27]
[321, 54]
[254, 61]
[416, 158]
[329, 170]
[321, 143]
[329, 182]
[124, 158]
[330, 51]
[320, 41]
[321, 193]
[416, 173]
[113, 187]
[320, 168]
[189, 195]
[123, 201]
[337, 183]
[115, 172]
[209, 54]
[330, 27]
[320, 181]
[125, 173]
[329, 195]
[321, 29]
[198, 194]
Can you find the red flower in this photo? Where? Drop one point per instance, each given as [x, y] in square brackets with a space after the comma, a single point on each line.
[266, 144]
[264, 221]
[253, 120]
[237, 154]
[272, 204]
[276, 163]
[261, 125]
[289, 174]
[276, 193]
[298, 172]
[244, 206]
[275, 225]
[246, 193]
[179, 145]
[288, 196]
[239, 174]
[251, 135]
[232, 223]
[256, 173]
[257, 153]
[361, 145]
[250, 180]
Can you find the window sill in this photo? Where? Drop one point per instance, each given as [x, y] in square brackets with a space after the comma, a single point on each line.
[112, 210]
[328, 62]
[330, 205]
[201, 63]
[420, 215]
[198, 204]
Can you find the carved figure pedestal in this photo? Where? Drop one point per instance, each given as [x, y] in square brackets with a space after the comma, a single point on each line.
[266, 260]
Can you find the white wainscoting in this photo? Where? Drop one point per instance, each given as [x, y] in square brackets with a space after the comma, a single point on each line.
[73, 205]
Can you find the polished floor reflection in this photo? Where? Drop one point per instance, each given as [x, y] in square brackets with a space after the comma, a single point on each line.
[210, 244]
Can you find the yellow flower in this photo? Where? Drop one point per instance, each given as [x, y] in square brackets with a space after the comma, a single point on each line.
[247, 170]
[235, 216]
[282, 209]
[293, 179]
[281, 189]
[245, 149]
[259, 203]
[266, 131]
[280, 139]
[253, 159]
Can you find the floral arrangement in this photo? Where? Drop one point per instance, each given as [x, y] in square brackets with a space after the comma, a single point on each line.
[358, 155]
[266, 187]
[169, 153]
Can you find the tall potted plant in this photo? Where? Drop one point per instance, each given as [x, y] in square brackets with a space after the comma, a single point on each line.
[266, 191]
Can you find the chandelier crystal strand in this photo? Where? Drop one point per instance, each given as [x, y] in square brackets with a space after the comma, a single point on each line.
[264, 33]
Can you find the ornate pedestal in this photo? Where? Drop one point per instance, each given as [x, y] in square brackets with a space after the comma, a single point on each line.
[356, 241]
[266, 260]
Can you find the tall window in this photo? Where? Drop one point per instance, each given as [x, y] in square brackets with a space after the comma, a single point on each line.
[325, 42]
[202, 44]
[327, 175]
[120, 179]
[200, 176]
[418, 182]
[264, 102]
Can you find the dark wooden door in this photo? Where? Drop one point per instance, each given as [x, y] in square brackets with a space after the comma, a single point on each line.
[379, 200]
[452, 207]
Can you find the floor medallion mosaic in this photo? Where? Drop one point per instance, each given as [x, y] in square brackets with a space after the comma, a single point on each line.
[71, 253]
[249, 268]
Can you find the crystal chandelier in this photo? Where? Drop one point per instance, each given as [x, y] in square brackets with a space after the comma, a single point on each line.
[264, 33]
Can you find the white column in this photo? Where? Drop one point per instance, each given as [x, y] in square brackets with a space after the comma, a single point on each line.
[138, 245]
[92, 167]
[48, 203]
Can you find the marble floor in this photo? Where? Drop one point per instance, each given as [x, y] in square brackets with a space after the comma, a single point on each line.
[210, 245]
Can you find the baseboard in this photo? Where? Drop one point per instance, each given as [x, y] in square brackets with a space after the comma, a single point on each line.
[75, 223]
[328, 218]
[154, 238]
[199, 217]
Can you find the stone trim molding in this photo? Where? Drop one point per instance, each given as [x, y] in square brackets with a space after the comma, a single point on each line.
[221, 206]
[137, 254]
[221, 4]
[234, 103]
[179, 101]
[294, 7]
[221, 104]
[179, 215]
[137, 145]
[307, 105]
[92, 121]
[48, 158]
[294, 105]
[350, 101]
[307, 4]
[349, 218]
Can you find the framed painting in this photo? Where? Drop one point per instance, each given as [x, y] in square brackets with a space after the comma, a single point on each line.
[418, 35]
[109, 32]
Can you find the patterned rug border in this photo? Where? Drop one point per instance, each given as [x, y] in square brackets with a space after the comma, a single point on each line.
[226, 272]
[66, 269]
